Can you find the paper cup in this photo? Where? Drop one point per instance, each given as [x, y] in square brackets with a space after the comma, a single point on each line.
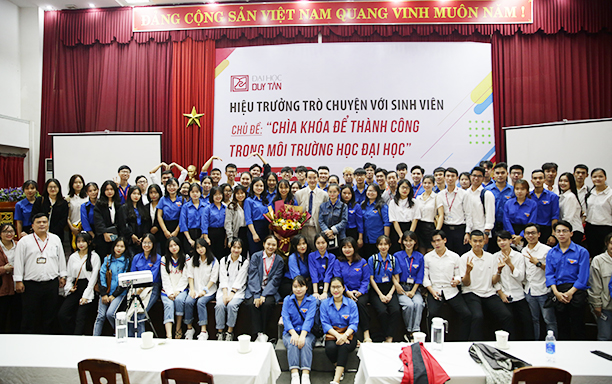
[419, 337]
[244, 343]
[147, 339]
[502, 339]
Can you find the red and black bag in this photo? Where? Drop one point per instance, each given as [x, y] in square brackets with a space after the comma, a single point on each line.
[420, 367]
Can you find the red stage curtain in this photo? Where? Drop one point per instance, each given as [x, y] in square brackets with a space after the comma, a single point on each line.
[12, 171]
[193, 84]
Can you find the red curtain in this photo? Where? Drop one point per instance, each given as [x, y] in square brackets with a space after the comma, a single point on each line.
[12, 171]
[193, 85]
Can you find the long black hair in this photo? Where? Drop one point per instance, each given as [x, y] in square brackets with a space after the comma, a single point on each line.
[294, 243]
[71, 191]
[277, 196]
[378, 202]
[572, 183]
[131, 214]
[263, 196]
[348, 241]
[86, 237]
[235, 203]
[151, 238]
[213, 192]
[210, 258]
[397, 196]
[351, 203]
[154, 187]
[45, 194]
[266, 177]
[103, 199]
[170, 181]
[180, 254]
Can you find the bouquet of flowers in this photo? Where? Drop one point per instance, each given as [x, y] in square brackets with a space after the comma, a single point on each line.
[286, 221]
[11, 194]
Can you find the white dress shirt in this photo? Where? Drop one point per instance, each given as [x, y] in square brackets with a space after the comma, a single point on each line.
[570, 210]
[599, 207]
[582, 192]
[440, 271]
[319, 197]
[39, 260]
[455, 208]
[535, 277]
[512, 281]
[74, 208]
[175, 280]
[10, 253]
[554, 189]
[233, 275]
[428, 206]
[403, 213]
[481, 276]
[480, 220]
[203, 274]
[77, 267]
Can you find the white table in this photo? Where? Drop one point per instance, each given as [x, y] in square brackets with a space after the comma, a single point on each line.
[53, 359]
[380, 363]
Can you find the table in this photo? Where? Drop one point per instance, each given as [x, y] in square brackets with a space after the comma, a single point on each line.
[380, 362]
[53, 359]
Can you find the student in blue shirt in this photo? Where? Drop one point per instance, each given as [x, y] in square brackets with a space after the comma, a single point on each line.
[519, 211]
[213, 223]
[320, 267]
[375, 219]
[271, 182]
[111, 294]
[299, 312]
[548, 207]
[333, 217]
[255, 206]
[148, 260]
[87, 208]
[567, 274]
[412, 264]
[297, 265]
[340, 319]
[385, 270]
[503, 191]
[360, 185]
[207, 185]
[169, 210]
[355, 273]
[23, 209]
[354, 225]
[191, 217]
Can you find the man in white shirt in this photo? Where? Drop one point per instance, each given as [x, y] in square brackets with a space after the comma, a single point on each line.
[40, 271]
[581, 173]
[480, 287]
[441, 278]
[310, 199]
[512, 294]
[550, 175]
[481, 205]
[392, 184]
[167, 173]
[536, 291]
[456, 216]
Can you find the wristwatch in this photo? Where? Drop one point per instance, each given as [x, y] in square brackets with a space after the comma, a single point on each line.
[539, 264]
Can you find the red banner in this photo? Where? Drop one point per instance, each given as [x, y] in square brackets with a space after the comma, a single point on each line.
[332, 13]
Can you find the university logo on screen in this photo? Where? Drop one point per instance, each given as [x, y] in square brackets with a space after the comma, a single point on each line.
[244, 83]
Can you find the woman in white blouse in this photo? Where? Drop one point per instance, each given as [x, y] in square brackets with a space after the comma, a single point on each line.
[10, 303]
[82, 269]
[233, 272]
[599, 212]
[431, 217]
[76, 197]
[174, 286]
[235, 225]
[404, 213]
[569, 205]
[202, 274]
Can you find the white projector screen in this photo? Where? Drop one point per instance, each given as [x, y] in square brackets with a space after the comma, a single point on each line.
[566, 143]
[97, 156]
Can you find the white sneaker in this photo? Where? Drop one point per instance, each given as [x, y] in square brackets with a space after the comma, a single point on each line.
[305, 378]
[203, 336]
[189, 334]
[262, 338]
[320, 342]
[295, 378]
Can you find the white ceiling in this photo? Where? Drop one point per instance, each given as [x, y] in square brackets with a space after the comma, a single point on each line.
[72, 4]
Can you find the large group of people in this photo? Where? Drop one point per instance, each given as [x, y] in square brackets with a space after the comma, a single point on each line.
[483, 241]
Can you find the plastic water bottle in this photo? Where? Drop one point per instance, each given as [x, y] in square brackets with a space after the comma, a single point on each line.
[121, 327]
[550, 347]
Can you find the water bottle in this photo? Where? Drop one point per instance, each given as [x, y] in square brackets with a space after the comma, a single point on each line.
[438, 327]
[121, 327]
[550, 347]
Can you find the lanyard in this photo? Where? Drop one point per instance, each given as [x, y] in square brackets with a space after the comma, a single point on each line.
[450, 205]
[267, 270]
[123, 193]
[45, 247]
[410, 268]
[418, 189]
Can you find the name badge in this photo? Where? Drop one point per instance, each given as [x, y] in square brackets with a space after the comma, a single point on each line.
[41, 260]
[385, 279]
[410, 280]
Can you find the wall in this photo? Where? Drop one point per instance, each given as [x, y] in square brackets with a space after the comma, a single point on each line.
[10, 78]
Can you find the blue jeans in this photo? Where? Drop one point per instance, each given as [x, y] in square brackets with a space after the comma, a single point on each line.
[604, 327]
[107, 311]
[299, 358]
[412, 311]
[141, 316]
[232, 313]
[174, 306]
[536, 305]
[201, 302]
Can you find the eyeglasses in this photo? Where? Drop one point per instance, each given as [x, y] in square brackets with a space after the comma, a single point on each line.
[9, 231]
[562, 231]
[531, 233]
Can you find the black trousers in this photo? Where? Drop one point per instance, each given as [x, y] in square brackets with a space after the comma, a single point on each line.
[71, 315]
[10, 310]
[545, 233]
[368, 250]
[521, 315]
[497, 308]
[194, 233]
[364, 316]
[388, 313]
[458, 305]
[260, 316]
[570, 322]
[454, 238]
[395, 245]
[338, 354]
[39, 304]
[595, 235]
[493, 247]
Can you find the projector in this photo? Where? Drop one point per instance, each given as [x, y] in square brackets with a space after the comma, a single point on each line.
[136, 279]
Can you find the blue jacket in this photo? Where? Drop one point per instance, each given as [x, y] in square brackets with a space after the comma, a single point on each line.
[515, 213]
[374, 222]
[297, 267]
[569, 267]
[346, 316]
[116, 266]
[356, 276]
[355, 218]
[191, 217]
[381, 269]
[501, 197]
[334, 217]
[291, 314]
[87, 216]
[412, 267]
[256, 275]
[321, 270]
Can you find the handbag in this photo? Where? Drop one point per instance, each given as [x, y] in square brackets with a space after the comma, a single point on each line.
[109, 278]
[339, 330]
[317, 328]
